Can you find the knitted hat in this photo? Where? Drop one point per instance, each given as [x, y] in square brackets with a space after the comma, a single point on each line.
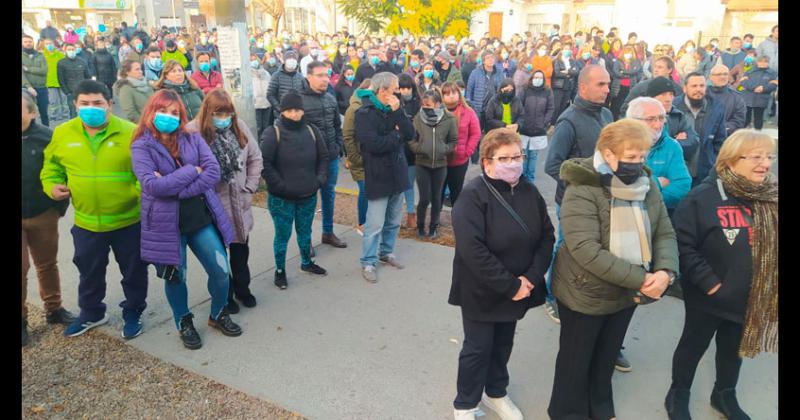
[660, 85]
[445, 55]
[290, 54]
[291, 100]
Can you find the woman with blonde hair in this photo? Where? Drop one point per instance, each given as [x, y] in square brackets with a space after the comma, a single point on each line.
[727, 231]
[174, 77]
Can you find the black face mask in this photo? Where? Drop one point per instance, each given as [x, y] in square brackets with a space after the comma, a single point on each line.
[628, 172]
[506, 97]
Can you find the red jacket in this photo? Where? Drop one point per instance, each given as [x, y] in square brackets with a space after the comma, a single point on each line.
[469, 133]
[214, 80]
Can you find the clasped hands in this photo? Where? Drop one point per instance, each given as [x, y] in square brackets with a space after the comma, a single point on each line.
[525, 289]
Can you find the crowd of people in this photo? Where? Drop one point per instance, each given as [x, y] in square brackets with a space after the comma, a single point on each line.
[661, 186]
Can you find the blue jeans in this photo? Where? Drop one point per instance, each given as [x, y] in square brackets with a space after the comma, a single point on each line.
[529, 167]
[207, 246]
[362, 203]
[409, 193]
[328, 193]
[383, 225]
[559, 240]
[43, 102]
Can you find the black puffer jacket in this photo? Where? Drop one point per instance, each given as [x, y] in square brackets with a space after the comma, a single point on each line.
[494, 113]
[34, 201]
[105, 67]
[296, 166]
[322, 111]
[538, 106]
[282, 82]
[72, 71]
[564, 81]
[411, 109]
[343, 94]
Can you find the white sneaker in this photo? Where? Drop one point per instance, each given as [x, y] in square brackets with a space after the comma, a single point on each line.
[504, 407]
[466, 414]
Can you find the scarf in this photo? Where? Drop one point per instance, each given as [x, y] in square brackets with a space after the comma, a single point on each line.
[140, 85]
[369, 94]
[631, 238]
[226, 149]
[760, 330]
[432, 121]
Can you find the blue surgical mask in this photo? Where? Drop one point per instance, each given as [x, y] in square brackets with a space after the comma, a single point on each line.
[254, 64]
[414, 64]
[747, 45]
[586, 56]
[330, 72]
[78, 50]
[71, 54]
[272, 61]
[166, 123]
[528, 67]
[138, 47]
[429, 74]
[749, 60]
[92, 116]
[350, 78]
[394, 61]
[221, 123]
[566, 53]
[205, 67]
[374, 60]
[51, 47]
[213, 62]
[479, 61]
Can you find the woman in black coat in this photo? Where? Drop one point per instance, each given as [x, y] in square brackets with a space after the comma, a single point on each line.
[344, 89]
[565, 74]
[104, 65]
[506, 95]
[411, 103]
[538, 106]
[498, 270]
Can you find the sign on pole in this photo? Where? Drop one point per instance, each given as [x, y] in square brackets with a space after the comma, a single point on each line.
[230, 60]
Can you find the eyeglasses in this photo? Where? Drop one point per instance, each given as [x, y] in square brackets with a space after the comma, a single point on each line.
[759, 159]
[509, 159]
[650, 120]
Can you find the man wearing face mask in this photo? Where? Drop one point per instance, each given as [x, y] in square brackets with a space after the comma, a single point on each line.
[733, 55]
[89, 162]
[206, 78]
[171, 52]
[104, 64]
[721, 91]
[284, 80]
[415, 63]
[481, 86]
[444, 65]
[708, 117]
[565, 71]
[135, 53]
[372, 66]
[34, 69]
[71, 72]
[153, 65]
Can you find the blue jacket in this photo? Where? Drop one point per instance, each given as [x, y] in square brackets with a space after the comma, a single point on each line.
[730, 60]
[677, 122]
[712, 134]
[666, 160]
[755, 78]
[509, 73]
[478, 87]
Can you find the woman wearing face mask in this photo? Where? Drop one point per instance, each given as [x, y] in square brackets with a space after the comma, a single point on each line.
[522, 76]
[542, 62]
[103, 63]
[285, 79]
[758, 84]
[538, 107]
[619, 250]
[206, 78]
[131, 90]
[340, 59]
[565, 76]
[502, 252]
[740, 70]
[504, 64]
[428, 78]
[469, 134]
[261, 79]
[270, 63]
[173, 77]
[627, 71]
[436, 138]
[240, 162]
[345, 88]
[352, 57]
[505, 108]
[177, 172]
[411, 103]
[687, 62]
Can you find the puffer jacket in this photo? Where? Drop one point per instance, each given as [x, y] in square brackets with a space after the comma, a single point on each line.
[261, 79]
[494, 113]
[34, 201]
[131, 100]
[343, 94]
[37, 68]
[213, 81]
[480, 85]
[282, 82]
[587, 277]
[191, 96]
[351, 148]
[469, 134]
[538, 106]
[665, 159]
[72, 71]
[432, 145]
[322, 110]
[755, 78]
[237, 196]
[104, 66]
[564, 81]
[161, 236]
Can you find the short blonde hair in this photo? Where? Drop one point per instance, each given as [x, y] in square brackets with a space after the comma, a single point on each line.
[496, 139]
[624, 133]
[739, 144]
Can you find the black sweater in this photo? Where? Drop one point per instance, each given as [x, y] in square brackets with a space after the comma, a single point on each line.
[296, 166]
[492, 250]
[34, 201]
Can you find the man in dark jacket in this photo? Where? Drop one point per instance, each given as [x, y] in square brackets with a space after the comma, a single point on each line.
[484, 81]
[733, 101]
[373, 65]
[322, 111]
[49, 32]
[71, 71]
[678, 125]
[708, 117]
[284, 80]
[40, 216]
[104, 64]
[34, 69]
[86, 56]
[382, 129]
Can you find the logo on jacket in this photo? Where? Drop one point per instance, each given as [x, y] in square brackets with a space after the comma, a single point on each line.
[731, 234]
[732, 219]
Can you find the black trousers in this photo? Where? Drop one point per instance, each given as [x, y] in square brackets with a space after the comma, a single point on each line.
[455, 180]
[756, 115]
[588, 347]
[483, 361]
[561, 102]
[616, 102]
[240, 271]
[430, 183]
[263, 117]
[698, 329]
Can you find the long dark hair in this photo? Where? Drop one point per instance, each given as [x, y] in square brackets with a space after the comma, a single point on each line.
[342, 79]
[405, 81]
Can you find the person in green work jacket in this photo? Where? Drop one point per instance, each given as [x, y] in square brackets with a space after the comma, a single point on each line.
[89, 161]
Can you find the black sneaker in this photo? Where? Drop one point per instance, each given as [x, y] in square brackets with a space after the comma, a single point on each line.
[225, 324]
[677, 404]
[189, 336]
[433, 232]
[314, 269]
[24, 333]
[248, 301]
[280, 279]
[726, 403]
[60, 316]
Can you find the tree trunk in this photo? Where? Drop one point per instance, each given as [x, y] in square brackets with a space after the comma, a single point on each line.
[275, 21]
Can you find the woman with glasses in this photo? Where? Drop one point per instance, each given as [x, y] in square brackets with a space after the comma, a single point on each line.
[240, 163]
[619, 250]
[504, 243]
[727, 231]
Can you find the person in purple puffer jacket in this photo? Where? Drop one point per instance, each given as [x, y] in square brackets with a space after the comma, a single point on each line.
[178, 172]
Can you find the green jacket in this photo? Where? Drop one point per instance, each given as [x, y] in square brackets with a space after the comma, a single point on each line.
[350, 143]
[131, 100]
[177, 56]
[37, 69]
[52, 67]
[432, 145]
[103, 188]
[587, 277]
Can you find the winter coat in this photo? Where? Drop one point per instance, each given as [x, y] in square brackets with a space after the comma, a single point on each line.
[131, 100]
[678, 122]
[102, 185]
[538, 106]
[88, 58]
[282, 81]
[564, 81]
[494, 113]
[295, 167]
[105, 67]
[191, 96]
[480, 85]
[632, 73]
[735, 107]
[71, 72]
[709, 256]
[36, 72]
[665, 159]
[261, 79]
[34, 201]
[161, 236]
[755, 78]
[466, 70]
[206, 84]
[176, 55]
[686, 65]
[322, 111]
[351, 147]
[131, 55]
[469, 134]
[712, 134]
[575, 136]
[385, 167]
[507, 72]
[343, 94]
[435, 82]
[545, 65]
[587, 278]
[769, 47]
[71, 37]
[237, 196]
[433, 145]
[411, 108]
[452, 74]
[492, 250]
[52, 67]
[730, 60]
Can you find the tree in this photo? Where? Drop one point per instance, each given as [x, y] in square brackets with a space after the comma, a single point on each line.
[274, 8]
[420, 17]
[374, 15]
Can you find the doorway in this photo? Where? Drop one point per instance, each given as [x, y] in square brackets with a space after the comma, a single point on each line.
[496, 25]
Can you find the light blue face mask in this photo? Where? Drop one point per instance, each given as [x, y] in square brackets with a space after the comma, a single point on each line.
[166, 123]
[221, 123]
[254, 64]
[156, 63]
[78, 50]
[394, 61]
[70, 54]
[51, 47]
[92, 116]
[350, 78]
[374, 60]
[205, 67]
[429, 74]
[272, 61]
[586, 56]
[214, 62]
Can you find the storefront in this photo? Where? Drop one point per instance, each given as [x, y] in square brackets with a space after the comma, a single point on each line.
[78, 13]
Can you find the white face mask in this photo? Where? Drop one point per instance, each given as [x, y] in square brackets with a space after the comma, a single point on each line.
[542, 53]
[291, 64]
[537, 82]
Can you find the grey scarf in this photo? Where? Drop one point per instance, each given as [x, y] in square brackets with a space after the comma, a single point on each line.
[140, 85]
[432, 120]
[226, 149]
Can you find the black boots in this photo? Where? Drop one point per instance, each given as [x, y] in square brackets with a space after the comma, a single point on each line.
[677, 404]
[189, 336]
[724, 401]
[225, 324]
